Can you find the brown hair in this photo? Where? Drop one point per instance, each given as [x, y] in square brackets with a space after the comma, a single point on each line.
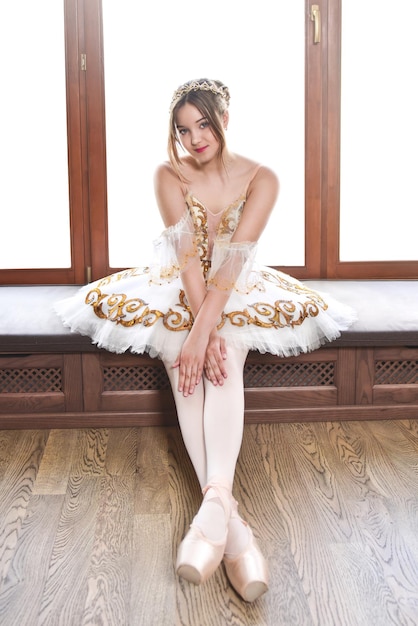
[212, 100]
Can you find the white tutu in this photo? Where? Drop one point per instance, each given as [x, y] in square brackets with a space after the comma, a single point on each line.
[144, 309]
[126, 312]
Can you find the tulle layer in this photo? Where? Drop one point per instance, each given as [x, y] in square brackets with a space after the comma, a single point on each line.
[128, 311]
[232, 265]
[174, 249]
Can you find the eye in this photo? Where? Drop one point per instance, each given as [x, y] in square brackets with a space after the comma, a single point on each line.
[182, 131]
[204, 124]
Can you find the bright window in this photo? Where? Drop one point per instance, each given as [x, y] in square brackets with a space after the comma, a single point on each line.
[34, 215]
[152, 48]
[379, 131]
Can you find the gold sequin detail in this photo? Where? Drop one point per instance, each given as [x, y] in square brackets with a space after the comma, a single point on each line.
[117, 308]
[226, 227]
[284, 313]
[129, 273]
[231, 217]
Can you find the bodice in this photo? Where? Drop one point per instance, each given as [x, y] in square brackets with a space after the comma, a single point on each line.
[211, 226]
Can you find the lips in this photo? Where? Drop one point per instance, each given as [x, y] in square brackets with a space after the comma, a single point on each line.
[199, 150]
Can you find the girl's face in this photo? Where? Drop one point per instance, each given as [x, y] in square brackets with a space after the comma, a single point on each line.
[195, 134]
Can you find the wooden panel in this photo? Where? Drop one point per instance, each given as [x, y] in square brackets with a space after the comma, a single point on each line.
[72, 382]
[105, 419]
[32, 383]
[92, 382]
[125, 383]
[398, 353]
[15, 403]
[140, 401]
[261, 399]
[103, 389]
[318, 356]
[332, 414]
[345, 376]
[395, 394]
[364, 376]
[395, 376]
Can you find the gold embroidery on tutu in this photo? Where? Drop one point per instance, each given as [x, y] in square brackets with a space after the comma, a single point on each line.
[176, 320]
[119, 309]
[294, 287]
[134, 271]
[284, 313]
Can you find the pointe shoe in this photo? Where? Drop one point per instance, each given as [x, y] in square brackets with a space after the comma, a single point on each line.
[247, 572]
[198, 557]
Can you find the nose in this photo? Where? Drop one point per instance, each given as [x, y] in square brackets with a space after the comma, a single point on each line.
[195, 137]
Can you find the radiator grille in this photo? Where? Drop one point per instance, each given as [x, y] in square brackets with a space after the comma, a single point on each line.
[31, 380]
[284, 374]
[396, 373]
[135, 378]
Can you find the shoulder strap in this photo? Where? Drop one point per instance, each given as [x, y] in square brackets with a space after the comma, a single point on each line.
[253, 175]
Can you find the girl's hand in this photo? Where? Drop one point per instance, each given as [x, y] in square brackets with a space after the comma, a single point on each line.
[214, 366]
[190, 363]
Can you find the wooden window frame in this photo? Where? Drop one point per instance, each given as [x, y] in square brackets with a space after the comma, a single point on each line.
[331, 266]
[87, 156]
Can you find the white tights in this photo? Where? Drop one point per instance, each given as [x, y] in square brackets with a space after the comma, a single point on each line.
[212, 418]
[211, 422]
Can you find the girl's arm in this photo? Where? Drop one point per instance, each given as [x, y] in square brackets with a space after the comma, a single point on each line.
[170, 199]
[261, 198]
[207, 305]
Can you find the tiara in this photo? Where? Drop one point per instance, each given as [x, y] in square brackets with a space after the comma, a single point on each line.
[196, 86]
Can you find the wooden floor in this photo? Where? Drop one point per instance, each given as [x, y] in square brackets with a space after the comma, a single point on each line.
[90, 521]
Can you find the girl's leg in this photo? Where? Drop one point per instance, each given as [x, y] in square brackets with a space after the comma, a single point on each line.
[211, 421]
[223, 419]
[190, 416]
[223, 426]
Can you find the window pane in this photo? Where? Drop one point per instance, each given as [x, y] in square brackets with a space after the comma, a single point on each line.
[379, 198]
[152, 48]
[34, 208]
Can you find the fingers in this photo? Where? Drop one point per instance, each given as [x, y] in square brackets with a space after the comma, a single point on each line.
[188, 381]
[190, 375]
[195, 358]
[215, 374]
[223, 348]
[215, 368]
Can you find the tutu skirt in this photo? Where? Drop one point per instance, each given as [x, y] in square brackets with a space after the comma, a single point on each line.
[128, 311]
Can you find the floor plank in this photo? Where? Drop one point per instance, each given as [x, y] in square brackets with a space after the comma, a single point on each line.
[23, 586]
[90, 522]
